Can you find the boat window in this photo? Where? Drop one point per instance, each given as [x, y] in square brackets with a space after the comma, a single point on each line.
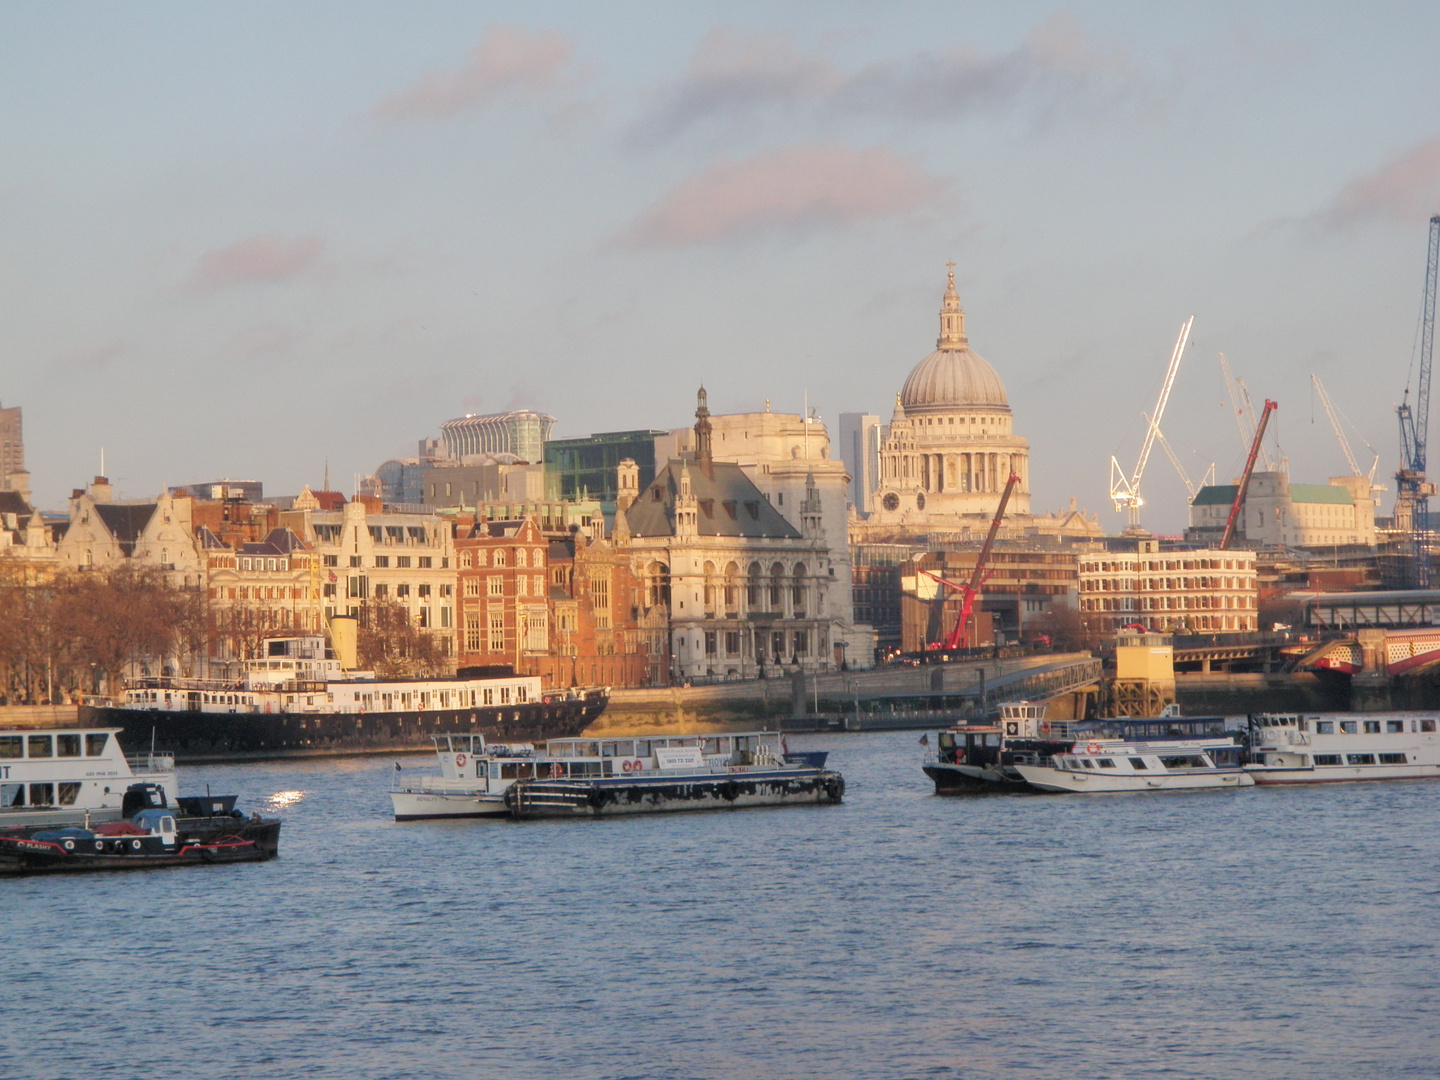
[1347, 726]
[12, 746]
[1087, 763]
[1324, 727]
[642, 748]
[1372, 727]
[94, 745]
[1392, 759]
[1327, 759]
[1304, 724]
[70, 791]
[1138, 764]
[67, 745]
[1360, 759]
[12, 794]
[42, 794]
[41, 746]
[494, 770]
[1394, 726]
[1176, 762]
[1106, 763]
[1427, 725]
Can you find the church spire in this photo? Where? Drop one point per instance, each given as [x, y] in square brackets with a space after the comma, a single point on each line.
[952, 317]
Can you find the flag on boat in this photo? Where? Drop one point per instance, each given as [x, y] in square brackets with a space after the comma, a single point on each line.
[784, 746]
[925, 739]
[397, 766]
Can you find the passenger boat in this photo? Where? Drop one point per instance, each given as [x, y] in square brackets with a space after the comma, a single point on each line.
[1292, 749]
[971, 758]
[1114, 765]
[579, 777]
[67, 776]
[296, 698]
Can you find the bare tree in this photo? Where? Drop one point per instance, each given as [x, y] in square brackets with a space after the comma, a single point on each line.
[391, 645]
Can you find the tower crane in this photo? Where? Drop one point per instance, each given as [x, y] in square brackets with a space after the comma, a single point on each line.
[1412, 489]
[959, 637]
[1244, 484]
[1125, 492]
[1244, 408]
[1190, 485]
[1334, 416]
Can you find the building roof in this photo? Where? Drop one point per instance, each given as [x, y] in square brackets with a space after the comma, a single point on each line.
[1215, 495]
[953, 377]
[126, 522]
[728, 503]
[1320, 493]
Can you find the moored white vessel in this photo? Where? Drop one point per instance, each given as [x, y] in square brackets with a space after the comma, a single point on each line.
[66, 776]
[1115, 765]
[1294, 749]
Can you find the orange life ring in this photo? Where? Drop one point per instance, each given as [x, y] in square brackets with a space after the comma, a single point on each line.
[1044, 727]
[557, 769]
[1093, 748]
[459, 761]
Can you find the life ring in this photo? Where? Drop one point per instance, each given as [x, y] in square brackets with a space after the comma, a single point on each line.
[99, 845]
[1093, 748]
[459, 761]
[69, 845]
[135, 845]
[557, 769]
[1044, 727]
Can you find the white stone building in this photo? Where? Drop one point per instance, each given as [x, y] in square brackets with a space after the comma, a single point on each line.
[1203, 592]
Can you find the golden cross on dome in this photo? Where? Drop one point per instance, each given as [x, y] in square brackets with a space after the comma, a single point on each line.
[951, 266]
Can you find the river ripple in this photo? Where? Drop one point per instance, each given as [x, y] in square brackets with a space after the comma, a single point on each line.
[1239, 934]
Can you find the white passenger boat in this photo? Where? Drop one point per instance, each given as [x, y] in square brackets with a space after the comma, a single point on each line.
[67, 776]
[601, 777]
[1113, 765]
[1292, 749]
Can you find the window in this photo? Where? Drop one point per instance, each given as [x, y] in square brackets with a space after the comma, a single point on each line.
[1347, 726]
[522, 585]
[465, 560]
[354, 560]
[13, 746]
[709, 642]
[1392, 759]
[732, 642]
[472, 632]
[330, 589]
[67, 745]
[1393, 726]
[1138, 764]
[1360, 759]
[500, 558]
[1327, 759]
[1106, 763]
[402, 562]
[94, 746]
[472, 586]
[425, 562]
[802, 643]
[330, 560]
[497, 631]
[1372, 727]
[1324, 727]
[382, 561]
[69, 792]
[41, 746]
[423, 590]
[402, 590]
[382, 590]
[496, 586]
[522, 557]
[444, 618]
[1427, 725]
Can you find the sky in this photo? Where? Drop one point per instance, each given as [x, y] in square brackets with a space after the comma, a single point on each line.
[250, 240]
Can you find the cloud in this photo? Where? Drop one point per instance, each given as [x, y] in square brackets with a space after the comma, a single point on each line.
[258, 259]
[93, 359]
[1058, 67]
[509, 63]
[1404, 189]
[731, 73]
[800, 188]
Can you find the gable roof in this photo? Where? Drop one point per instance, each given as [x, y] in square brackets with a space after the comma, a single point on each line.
[728, 502]
[126, 522]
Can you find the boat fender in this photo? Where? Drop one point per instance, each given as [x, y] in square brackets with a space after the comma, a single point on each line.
[596, 798]
[1044, 727]
[207, 854]
[459, 761]
[99, 845]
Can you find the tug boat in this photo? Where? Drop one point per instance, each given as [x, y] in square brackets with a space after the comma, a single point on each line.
[70, 776]
[976, 758]
[298, 698]
[1292, 749]
[581, 777]
[1113, 765]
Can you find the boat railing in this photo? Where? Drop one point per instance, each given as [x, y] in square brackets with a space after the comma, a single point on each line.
[145, 764]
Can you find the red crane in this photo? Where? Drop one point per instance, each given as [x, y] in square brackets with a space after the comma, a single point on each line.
[1244, 484]
[960, 636]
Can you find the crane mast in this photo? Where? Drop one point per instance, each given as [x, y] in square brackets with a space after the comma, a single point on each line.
[1413, 489]
[1125, 491]
[1335, 424]
[959, 637]
[1244, 484]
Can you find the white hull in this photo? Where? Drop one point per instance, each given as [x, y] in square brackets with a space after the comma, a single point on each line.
[1340, 774]
[419, 805]
[1068, 781]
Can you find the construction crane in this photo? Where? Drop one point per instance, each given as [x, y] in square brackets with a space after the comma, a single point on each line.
[1244, 484]
[1412, 489]
[1243, 407]
[1334, 415]
[1125, 492]
[959, 637]
[1190, 485]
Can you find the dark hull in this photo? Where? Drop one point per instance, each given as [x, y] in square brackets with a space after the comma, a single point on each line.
[951, 781]
[607, 798]
[203, 842]
[201, 736]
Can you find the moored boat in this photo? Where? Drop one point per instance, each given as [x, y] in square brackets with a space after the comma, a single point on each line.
[72, 775]
[1293, 749]
[1115, 765]
[297, 698]
[603, 777]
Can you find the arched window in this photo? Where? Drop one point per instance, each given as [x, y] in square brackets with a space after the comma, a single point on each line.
[777, 586]
[709, 588]
[732, 588]
[522, 557]
[797, 589]
[755, 587]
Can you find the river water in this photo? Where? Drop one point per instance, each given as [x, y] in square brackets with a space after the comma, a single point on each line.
[1237, 934]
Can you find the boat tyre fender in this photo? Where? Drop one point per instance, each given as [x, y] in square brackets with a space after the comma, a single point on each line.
[729, 790]
[69, 845]
[835, 788]
[99, 845]
[134, 845]
[596, 798]
[207, 854]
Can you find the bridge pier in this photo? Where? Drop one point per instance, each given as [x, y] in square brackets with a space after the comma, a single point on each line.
[1370, 686]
